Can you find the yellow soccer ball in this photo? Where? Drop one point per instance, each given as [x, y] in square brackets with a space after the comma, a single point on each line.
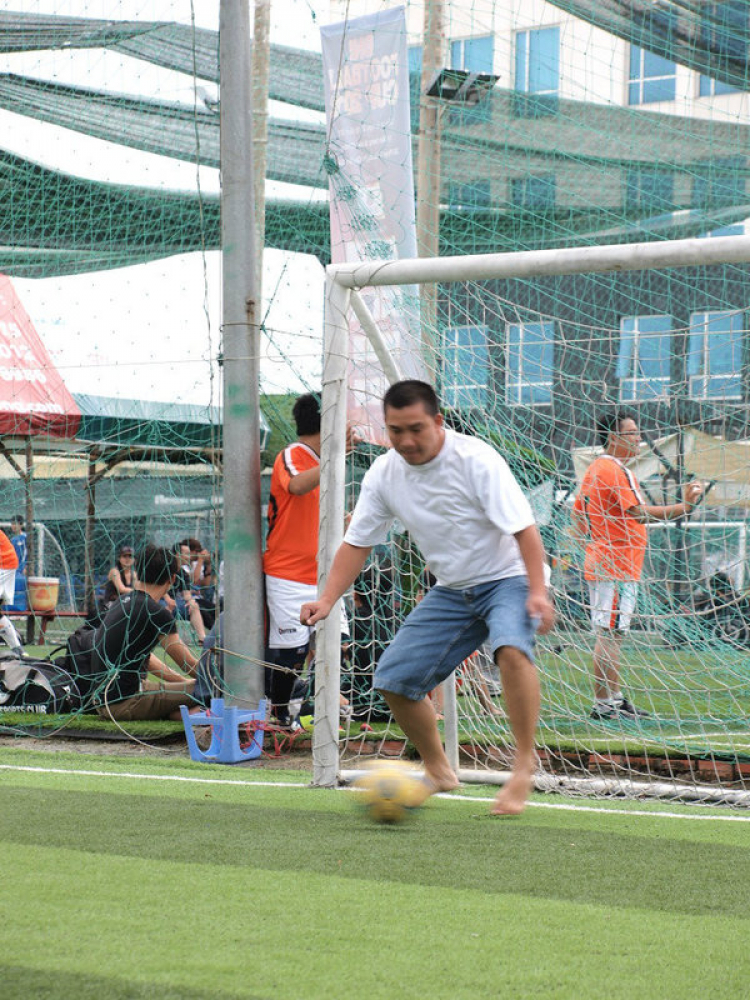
[389, 792]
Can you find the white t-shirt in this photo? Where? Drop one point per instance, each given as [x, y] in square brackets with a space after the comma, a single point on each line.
[462, 509]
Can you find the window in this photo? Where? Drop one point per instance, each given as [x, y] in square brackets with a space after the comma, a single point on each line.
[473, 54]
[538, 61]
[414, 54]
[719, 183]
[649, 192]
[531, 348]
[533, 192]
[652, 77]
[714, 362]
[736, 229]
[722, 32]
[643, 361]
[707, 87]
[475, 194]
[466, 366]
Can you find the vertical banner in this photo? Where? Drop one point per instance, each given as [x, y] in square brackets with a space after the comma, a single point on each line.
[371, 186]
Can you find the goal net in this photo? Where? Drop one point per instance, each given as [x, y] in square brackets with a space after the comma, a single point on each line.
[527, 351]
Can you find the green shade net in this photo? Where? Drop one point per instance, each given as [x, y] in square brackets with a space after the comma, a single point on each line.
[712, 38]
[656, 176]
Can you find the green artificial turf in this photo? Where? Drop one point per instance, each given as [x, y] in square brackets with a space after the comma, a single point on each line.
[212, 886]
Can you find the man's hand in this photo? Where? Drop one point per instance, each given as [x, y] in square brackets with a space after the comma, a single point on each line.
[693, 492]
[352, 439]
[540, 610]
[314, 612]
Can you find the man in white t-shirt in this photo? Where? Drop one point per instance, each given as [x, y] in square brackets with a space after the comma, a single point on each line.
[466, 512]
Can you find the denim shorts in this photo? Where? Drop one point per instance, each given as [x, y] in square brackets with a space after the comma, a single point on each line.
[449, 625]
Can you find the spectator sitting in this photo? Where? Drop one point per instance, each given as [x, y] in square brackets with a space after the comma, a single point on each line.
[121, 578]
[202, 579]
[180, 600]
[122, 654]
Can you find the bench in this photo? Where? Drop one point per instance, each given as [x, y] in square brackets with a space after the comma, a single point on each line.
[45, 617]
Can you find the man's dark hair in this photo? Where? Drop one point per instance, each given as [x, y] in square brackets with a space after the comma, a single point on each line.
[610, 423]
[411, 391]
[17, 519]
[156, 565]
[306, 413]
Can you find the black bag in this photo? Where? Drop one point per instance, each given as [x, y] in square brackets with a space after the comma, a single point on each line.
[77, 660]
[31, 685]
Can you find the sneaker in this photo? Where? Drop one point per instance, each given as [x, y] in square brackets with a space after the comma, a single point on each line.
[604, 713]
[628, 709]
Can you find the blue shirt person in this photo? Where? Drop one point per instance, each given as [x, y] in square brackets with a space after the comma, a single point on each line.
[18, 541]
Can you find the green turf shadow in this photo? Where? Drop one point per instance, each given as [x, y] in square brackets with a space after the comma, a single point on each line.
[19, 981]
[527, 856]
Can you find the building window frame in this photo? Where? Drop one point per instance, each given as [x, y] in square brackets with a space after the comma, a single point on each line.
[712, 332]
[643, 362]
[534, 70]
[530, 360]
[466, 366]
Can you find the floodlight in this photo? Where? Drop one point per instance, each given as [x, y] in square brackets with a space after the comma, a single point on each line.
[460, 86]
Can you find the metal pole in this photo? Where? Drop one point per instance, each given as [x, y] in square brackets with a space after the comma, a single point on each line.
[89, 598]
[450, 725]
[243, 588]
[261, 69]
[428, 173]
[332, 483]
[32, 564]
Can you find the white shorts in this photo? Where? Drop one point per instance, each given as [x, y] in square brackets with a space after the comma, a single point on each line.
[612, 604]
[7, 585]
[285, 599]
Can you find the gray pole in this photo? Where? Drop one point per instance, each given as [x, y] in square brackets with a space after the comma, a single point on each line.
[243, 590]
[428, 175]
[332, 489]
[261, 69]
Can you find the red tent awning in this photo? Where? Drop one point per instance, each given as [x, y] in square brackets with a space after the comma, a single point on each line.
[33, 397]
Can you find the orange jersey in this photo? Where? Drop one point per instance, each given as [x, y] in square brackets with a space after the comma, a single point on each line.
[292, 542]
[616, 541]
[8, 556]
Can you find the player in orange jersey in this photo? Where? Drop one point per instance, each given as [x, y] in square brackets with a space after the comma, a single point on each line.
[8, 567]
[290, 562]
[610, 512]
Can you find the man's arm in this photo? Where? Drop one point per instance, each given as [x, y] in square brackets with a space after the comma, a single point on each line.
[579, 523]
[305, 481]
[538, 603]
[667, 512]
[176, 649]
[347, 565]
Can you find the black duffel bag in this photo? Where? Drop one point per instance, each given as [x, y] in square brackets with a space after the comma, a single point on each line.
[34, 685]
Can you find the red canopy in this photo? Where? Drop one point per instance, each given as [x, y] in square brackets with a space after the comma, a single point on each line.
[33, 397]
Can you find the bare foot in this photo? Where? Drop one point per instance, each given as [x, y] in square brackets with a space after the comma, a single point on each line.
[445, 781]
[511, 801]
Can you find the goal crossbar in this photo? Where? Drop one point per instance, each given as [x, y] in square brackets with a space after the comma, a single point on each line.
[534, 263]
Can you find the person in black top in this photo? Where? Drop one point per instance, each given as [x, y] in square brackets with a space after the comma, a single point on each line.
[179, 598]
[122, 654]
[120, 578]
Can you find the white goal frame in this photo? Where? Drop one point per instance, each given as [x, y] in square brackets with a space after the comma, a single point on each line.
[343, 285]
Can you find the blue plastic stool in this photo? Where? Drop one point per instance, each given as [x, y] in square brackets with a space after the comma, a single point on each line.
[225, 738]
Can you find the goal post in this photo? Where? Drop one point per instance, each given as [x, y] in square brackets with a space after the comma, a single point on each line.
[694, 745]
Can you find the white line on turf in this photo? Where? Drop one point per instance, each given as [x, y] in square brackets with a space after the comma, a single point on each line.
[450, 796]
